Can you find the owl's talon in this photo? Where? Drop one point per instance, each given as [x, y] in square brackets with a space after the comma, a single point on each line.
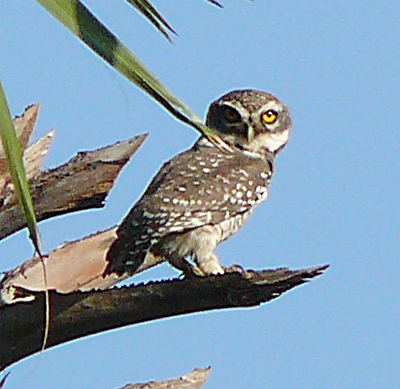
[193, 273]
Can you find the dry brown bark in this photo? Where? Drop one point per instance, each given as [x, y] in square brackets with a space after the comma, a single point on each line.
[82, 183]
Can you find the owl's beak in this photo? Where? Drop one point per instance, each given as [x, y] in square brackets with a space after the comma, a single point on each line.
[250, 134]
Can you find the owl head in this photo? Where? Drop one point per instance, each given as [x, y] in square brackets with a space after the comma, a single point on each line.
[251, 120]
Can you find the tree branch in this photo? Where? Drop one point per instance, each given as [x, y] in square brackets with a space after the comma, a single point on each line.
[82, 183]
[84, 313]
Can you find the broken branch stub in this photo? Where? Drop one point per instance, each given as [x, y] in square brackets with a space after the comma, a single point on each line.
[81, 183]
[194, 380]
[24, 127]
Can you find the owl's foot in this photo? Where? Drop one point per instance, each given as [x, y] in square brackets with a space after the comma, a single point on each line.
[188, 269]
[210, 267]
[193, 271]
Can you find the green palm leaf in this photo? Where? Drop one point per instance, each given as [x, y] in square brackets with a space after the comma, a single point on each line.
[82, 23]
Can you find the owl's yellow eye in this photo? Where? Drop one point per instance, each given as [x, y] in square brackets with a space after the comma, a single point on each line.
[231, 115]
[270, 116]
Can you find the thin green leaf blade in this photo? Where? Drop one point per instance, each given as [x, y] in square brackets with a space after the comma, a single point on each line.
[152, 14]
[13, 152]
[82, 23]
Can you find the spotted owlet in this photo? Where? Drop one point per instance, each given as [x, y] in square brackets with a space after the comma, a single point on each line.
[203, 196]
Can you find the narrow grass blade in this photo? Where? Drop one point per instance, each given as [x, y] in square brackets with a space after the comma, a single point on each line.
[155, 18]
[82, 23]
[13, 152]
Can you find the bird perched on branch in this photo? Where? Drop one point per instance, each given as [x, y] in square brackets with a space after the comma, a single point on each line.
[203, 196]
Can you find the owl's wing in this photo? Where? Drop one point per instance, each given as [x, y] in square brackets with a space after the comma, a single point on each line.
[196, 188]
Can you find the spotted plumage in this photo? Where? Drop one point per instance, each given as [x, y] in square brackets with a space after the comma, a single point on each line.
[203, 195]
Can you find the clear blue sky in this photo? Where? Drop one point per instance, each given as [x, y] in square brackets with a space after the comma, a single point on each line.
[334, 199]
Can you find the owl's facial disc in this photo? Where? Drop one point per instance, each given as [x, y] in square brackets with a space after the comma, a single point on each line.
[254, 121]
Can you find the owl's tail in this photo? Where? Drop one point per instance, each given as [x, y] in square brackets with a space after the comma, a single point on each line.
[124, 257]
